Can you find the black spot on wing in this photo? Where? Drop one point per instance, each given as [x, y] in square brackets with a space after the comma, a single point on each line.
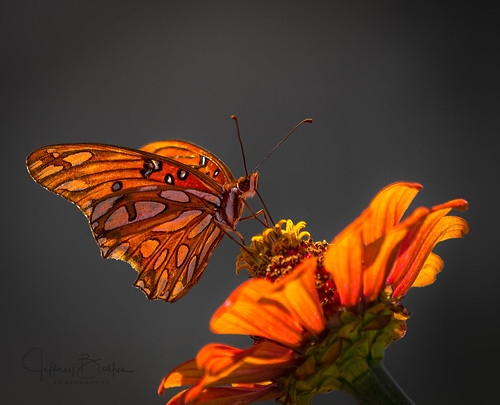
[117, 186]
[150, 166]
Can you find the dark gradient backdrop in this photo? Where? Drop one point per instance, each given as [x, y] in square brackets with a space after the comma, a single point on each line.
[397, 90]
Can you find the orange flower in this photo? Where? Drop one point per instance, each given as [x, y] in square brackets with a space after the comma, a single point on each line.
[320, 320]
[377, 250]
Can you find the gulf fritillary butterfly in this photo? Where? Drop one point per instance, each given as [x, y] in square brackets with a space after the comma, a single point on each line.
[163, 208]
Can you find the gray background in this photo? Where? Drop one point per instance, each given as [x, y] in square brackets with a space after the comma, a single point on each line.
[397, 90]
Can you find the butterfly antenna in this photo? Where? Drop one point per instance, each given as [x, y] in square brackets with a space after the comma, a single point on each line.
[241, 143]
[283, 140]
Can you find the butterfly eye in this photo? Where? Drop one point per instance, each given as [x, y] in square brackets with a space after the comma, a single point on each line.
[243, 184]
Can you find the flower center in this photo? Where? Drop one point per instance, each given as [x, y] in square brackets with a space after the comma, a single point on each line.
[275, 252]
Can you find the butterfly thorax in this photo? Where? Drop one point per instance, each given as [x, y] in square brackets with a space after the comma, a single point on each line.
[233, 201]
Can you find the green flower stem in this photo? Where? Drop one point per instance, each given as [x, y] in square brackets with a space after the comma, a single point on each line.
[377, 387]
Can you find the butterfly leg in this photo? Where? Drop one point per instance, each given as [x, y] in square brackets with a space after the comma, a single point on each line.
[228, 231]
[255, 215]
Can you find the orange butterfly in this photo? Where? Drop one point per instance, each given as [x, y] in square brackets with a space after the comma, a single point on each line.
[163, 208]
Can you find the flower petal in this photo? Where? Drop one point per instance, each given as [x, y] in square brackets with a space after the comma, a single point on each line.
[241, 314]
[185, 374]
[432, 266]
[387, 208]
[229, 395]
[259, 363]
[298, 294]
[384, 211]
[271, 310]
[345, 257]
[418, 244]
[379, 259]
[343, 260]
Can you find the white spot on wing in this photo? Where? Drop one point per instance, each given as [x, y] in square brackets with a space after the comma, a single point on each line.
[103, 207]
[51, 169]
[159, 261]
[147, 209]
[117, 219]
[119, 251]
[35, 164]
[180, 222]
[200, 227]
[142, 286]
[191, 267]
[86, 207]
[161, 289]
[175, 195]
[211, 198]
[143, 210]
[210, 241]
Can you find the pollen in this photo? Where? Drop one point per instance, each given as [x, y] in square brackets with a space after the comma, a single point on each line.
[275, 252]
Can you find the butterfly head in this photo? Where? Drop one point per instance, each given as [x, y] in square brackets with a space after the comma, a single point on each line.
[248, 185]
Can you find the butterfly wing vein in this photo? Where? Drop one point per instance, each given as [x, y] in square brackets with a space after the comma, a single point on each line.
[153, 208]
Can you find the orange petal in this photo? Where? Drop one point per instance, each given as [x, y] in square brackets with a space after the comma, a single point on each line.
[241, 314]
[418, 244]
[387, 208]
[345, 257]
[185, 374]
[379, 260]
[344, 260]
[432, 266]
[252, 309]
[298, 294]
[229, 395]
[259, 363]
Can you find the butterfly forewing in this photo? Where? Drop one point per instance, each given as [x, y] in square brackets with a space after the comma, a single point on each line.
[194, 156]
[153, 211]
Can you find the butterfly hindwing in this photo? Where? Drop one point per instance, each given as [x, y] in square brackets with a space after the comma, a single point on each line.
[150, 210]
[162, 233]
[172, 272]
